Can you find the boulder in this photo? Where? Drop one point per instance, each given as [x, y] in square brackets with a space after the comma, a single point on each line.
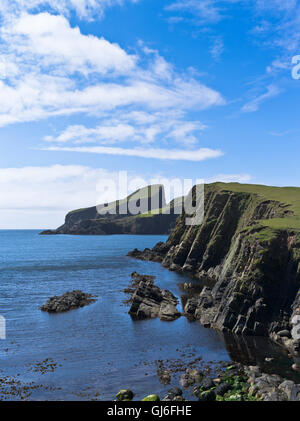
[149, 301]
[152, 398]
[222, 388]
[67, 301]
[284, 334]
[125, 395]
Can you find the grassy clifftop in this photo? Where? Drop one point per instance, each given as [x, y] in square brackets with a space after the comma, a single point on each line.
[289, 196]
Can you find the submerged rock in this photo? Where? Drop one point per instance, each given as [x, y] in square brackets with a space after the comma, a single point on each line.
[149, 301]
[164, 376]
[67, 301]
[208, 395]
[153, 398]
[190, 377]
[125, 395]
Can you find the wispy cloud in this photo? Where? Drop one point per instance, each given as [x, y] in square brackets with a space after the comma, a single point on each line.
[229, 178]
[85, 9]
[254, 104]
[217, 48]
[207, 11]
[283, 133]
[154, 153]
[276, 21]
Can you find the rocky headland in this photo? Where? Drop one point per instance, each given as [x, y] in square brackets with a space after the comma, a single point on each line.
[67, 301]
[148, 301]
[118, 217]
[248, 251]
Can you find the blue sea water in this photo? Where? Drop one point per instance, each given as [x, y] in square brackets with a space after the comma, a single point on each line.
[98, 349]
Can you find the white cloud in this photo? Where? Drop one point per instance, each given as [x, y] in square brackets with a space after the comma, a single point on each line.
[50, 42]
[254, 104]
[154, 153]
[40, 197]
[28, 100]
[83, 74]
[104, 134]
[54, 188]
[139, 127]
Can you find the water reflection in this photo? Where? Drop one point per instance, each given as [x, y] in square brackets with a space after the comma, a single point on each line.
[254, 350]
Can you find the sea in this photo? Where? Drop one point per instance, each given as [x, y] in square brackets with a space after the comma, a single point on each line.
[93, 352]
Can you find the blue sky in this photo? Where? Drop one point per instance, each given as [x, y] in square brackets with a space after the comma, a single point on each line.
[191, 89]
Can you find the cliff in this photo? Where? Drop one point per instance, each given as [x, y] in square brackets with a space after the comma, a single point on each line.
[90, 221]
[247, 250]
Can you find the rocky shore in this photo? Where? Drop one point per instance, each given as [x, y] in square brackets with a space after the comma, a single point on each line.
[67, 301]
[148, 301]
[234, 382]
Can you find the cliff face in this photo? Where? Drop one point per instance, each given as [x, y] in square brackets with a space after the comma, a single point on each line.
[90, 221]
[241, 251]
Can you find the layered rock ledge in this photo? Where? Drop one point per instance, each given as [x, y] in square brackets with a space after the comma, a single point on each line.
[148, 301]
[248, 250]
[68, 301]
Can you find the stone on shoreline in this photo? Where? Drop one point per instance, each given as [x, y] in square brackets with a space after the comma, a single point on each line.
[152, 398]
[149, 301]
[234, 383]
[125, 395]
[67, 301]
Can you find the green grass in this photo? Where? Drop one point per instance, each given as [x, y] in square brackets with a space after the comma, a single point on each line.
[166, 210]
[286, 195]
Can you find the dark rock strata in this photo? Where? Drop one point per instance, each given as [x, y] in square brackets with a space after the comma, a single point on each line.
[67, 301]
[254, 269]
[149, 301]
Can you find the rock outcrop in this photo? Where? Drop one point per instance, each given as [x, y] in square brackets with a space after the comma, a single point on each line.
[122, 217]
[67, 301]
[149, 301]
[248, 250]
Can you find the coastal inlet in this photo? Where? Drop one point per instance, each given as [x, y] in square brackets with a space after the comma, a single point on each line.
[94, 351]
